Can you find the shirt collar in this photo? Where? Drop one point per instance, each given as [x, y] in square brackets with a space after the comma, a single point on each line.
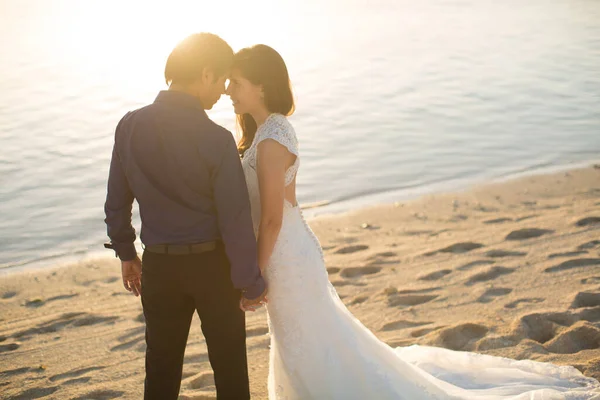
[180, 99]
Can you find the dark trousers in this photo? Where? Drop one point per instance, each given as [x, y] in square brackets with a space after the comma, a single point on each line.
[173, 287]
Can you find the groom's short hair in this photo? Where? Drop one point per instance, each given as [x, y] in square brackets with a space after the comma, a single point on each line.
[194, 53]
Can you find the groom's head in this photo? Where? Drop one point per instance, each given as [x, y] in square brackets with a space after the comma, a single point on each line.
[199, 65]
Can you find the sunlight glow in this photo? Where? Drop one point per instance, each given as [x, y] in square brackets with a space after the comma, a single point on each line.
[129, 41]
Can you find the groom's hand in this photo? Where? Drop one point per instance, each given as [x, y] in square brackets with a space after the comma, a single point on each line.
[252, 305]
[132, 275]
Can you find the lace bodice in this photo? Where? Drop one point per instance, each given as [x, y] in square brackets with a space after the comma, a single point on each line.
[277, 128]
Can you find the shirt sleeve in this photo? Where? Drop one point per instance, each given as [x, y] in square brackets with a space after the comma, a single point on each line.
[235, 223]
[118, 207]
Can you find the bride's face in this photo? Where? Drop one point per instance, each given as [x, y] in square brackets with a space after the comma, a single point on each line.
[245, 96]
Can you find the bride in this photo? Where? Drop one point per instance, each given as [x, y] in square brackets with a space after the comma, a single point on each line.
[319, 350]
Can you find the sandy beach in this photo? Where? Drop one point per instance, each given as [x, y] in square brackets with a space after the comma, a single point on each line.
[509, 269]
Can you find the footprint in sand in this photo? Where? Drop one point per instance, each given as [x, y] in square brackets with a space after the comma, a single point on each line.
[94, 320]
[385, 254]
[588, 221]
[202, 381]
[74, 374]
[101, 395]
[589, 245]
[472, 264]
[380, 261]
[34, 303]
[424, 331]
[497, 221]
[550, 207]
[88, 283]
[63, 297]
[542, 327]
[575, 263]
[434, 276]
[457, 248]
[586, 299]
[526, 217]
[458, 337]
[483, 208]
[9, 347]
[412, 291]
[591, 314]
[196, 358]
[333, 270]
[112, 279]
[410, 299]
[504, 253]
[257, 331]
[383, 258]
[347, 283]
[128, 344]
[76, 319]
[352, 249]
[263, 342]
[527, 300]
[581, 336]
[345, 239]
[198, 396]
[38, 393]
[77, 381]
[18, 371]
[459, 218]
[359, 300]
[592, 280]
[528, 233]
[141, 348]
[187, 374]
[417, 233]
[402, 324]
[8, 295]
[567, 254]
[490, 294]
[13, 372]
[489, 274]
[356, 272]
[131, 333]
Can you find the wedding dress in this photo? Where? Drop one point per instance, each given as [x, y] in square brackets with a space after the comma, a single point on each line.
[319, 350]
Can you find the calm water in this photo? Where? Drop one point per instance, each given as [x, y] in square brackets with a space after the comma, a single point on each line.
[394, 98]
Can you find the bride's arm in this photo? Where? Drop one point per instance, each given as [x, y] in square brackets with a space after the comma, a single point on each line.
[271, 165]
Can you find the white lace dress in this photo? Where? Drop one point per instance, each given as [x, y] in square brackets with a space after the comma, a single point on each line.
[319, 350]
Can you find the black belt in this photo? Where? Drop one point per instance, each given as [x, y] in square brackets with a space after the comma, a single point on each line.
[181, 249]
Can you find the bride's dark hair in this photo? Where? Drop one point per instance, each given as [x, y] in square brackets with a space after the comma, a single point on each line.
[262, 65]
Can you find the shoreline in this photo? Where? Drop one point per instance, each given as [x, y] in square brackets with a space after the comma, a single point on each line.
[508, 269]
[326, 209]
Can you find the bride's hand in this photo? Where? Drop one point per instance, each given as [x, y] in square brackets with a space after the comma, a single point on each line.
[252, 305]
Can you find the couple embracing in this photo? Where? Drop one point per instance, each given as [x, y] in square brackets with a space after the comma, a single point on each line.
[224, 234]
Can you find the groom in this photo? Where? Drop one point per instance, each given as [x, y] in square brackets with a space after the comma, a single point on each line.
[200, 250]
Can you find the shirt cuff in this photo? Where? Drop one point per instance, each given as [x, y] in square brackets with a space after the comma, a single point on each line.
[125, 251]
[253, 292]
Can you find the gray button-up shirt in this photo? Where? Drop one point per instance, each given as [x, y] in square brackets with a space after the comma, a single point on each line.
[185, 173]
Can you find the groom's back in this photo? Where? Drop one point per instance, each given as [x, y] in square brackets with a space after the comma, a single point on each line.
[169, 151]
